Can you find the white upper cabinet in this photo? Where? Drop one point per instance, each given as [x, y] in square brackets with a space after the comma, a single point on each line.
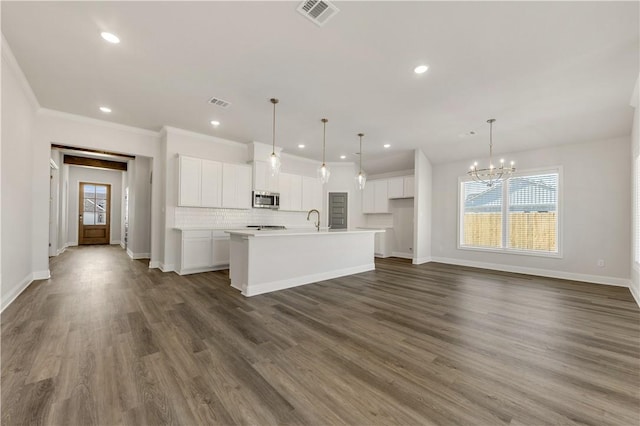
[290, 192]
[206, 183]
[381, 198]
[311, 193]
[236, 186]
[211, 188]
[409, 186]
[262, 178]
[368, 198]
[401, 187]
[190, 181]
[375, 197]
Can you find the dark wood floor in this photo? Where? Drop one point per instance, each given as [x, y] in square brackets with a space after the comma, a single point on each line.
[108, 341]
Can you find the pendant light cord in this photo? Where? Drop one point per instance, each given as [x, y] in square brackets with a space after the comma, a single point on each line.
[361, 135]
[324, 137]
[274, 101]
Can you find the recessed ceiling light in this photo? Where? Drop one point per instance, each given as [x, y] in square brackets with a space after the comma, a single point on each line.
[342, 157]
[215, 123]
[105, 109]
[387, 145]
[421, 69]
[111, 38]
[301, 145]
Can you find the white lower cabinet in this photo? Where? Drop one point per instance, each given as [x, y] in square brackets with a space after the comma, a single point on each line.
[203, 250]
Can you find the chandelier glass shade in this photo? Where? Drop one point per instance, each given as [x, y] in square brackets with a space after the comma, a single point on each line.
[492, 174]
[323, 170]
[274, 159]
[361, 177]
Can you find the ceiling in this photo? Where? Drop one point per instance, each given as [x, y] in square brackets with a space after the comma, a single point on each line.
[549, 72]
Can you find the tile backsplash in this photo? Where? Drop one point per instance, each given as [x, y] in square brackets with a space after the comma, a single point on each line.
[231, 218]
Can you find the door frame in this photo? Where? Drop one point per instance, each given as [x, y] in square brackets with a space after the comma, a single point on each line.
[81, 210]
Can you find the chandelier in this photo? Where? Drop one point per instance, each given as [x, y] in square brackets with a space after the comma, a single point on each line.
[491, 175]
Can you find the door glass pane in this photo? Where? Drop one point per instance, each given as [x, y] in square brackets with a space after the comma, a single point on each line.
[94, 205]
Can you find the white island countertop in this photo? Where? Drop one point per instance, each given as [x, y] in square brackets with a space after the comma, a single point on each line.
[295, 232]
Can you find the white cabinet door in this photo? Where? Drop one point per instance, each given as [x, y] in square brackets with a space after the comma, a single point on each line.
[296, 192]
[228, 185]
[262, 178]
[189, 178]
[196, 252]
[236, 186]
[409, 186]
[368, 196]
[243, 186]
[220, 248]
[396, 187]
[381, 197]
[211, 183]
[311, 193]
[285, 191]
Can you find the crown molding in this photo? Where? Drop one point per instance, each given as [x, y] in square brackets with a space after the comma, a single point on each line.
[96, 122]
[12, 62]
[177, 131]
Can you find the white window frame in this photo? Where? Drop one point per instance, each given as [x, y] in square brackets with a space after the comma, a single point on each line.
[505, 217]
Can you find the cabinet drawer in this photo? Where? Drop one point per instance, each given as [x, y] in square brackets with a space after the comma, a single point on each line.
[196, 234]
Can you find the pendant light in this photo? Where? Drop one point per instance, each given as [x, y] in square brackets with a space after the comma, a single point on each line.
[323, 170]
[361, 177]
[274, 159]
[491, 175]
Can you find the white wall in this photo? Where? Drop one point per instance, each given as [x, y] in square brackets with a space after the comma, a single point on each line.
[635, 151]
[595, 213]
[140, 205]
[423, 211]
[16, 179]
[85, 174]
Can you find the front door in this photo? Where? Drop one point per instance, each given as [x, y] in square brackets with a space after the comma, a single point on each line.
[95, 213]
[338, 210]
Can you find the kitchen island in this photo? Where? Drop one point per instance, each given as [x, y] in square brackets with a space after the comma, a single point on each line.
[263, 261]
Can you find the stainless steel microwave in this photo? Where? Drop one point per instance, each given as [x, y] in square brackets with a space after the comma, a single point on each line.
[266, 200]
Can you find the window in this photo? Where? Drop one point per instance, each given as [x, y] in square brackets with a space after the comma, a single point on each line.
[519, 215]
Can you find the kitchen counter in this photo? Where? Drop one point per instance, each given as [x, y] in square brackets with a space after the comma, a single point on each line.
[299, 232]
[271, 260]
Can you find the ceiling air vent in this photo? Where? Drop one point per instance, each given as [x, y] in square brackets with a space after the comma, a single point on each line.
[219, 102]
[318, 11]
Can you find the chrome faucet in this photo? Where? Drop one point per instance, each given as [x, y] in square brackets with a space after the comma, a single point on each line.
[318, 222]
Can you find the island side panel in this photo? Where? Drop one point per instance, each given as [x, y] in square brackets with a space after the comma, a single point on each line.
[239, 261]
[276, 263]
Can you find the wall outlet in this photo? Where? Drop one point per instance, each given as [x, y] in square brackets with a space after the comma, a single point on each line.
[600, 263]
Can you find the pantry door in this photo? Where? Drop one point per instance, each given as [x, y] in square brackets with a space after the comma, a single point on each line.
[94, 213]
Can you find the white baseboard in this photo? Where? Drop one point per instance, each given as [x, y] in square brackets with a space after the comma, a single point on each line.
[13, 295]
[122, 244]
[71, 244]
[169, 267]
[298, 281]
[421, 260]
[41, 275]
[134, 256]
[154, 264]
[595, 279]
[115, 242]
[402, 255]
[61, 250]
[22, 286]
[634, 293]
